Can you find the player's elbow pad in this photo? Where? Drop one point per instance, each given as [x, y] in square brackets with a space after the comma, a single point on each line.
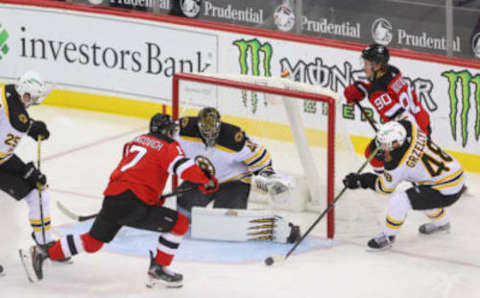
[194, 174]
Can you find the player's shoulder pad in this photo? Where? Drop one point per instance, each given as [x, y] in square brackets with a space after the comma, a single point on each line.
[189, 127]
[231, 137]
[18, 114]
[398, 154]
[382, 83]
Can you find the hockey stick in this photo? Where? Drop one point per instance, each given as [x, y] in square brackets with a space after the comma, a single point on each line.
[39, 188]
[369, 119]
[81, 218]
[270, 260]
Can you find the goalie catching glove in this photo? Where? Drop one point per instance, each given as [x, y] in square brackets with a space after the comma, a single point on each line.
[277, 186]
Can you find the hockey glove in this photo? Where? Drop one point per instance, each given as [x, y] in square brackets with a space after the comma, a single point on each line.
[211, 187]
[365, 180]
[355, 92]
[34, 177]
[352, 181]
[38, 128]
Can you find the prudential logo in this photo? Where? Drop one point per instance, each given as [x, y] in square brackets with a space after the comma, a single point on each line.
[3, 42]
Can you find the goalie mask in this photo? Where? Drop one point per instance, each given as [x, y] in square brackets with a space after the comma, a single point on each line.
[31, 88]
[162, 124]
[209, 125]
[391, 136]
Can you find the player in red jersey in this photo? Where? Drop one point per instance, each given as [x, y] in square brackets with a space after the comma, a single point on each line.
[388, 92]
[132, 198]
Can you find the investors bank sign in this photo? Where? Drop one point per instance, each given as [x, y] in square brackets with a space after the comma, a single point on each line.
[102, 54]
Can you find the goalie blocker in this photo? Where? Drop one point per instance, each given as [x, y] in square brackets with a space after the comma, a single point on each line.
[242, 225]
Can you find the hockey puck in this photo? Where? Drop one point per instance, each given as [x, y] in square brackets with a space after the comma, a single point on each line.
[269, 261]
[1, 269]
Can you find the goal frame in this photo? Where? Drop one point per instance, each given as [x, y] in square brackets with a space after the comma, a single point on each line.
[178, 77]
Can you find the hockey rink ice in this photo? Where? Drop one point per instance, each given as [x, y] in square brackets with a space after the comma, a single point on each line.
[83, 149]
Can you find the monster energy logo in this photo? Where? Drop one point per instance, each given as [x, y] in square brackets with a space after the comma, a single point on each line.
[464, 81]
[254, 58]
[3, 39]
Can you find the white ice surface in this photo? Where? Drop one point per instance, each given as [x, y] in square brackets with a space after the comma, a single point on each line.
[85, 147]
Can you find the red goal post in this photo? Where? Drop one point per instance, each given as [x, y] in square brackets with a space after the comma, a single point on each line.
[231, 83]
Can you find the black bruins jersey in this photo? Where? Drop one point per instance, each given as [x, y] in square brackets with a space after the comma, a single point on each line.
[234, 157]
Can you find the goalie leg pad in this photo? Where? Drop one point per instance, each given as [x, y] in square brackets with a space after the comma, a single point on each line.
[240, 225]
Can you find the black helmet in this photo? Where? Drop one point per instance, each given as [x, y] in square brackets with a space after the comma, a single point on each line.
[376, 53]
[209, 125]
[162, 124]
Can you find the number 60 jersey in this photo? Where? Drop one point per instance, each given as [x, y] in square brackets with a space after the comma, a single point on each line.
[423, 162]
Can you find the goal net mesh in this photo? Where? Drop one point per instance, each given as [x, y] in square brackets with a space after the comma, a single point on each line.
[292, 120]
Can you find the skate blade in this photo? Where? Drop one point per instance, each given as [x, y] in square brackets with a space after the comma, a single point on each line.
[26, 260]
[155, 283]
[377, 250]
[436, 232]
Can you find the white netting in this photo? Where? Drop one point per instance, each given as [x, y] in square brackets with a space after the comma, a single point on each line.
[295, 132]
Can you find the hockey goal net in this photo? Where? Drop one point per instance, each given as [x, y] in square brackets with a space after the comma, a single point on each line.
[301, 128]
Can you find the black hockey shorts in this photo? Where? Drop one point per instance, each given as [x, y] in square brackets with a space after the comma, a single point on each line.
[14, 185]
[230, 195]
[126, 209]
[424, 197]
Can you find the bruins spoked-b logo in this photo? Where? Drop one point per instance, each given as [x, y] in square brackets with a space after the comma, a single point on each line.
[205, 164]
[382, 31]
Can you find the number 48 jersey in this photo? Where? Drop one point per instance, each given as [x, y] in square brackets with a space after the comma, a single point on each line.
[423, 162]
[146, 163]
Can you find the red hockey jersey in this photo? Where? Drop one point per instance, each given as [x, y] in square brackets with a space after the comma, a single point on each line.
[390, 93]
[146, 163]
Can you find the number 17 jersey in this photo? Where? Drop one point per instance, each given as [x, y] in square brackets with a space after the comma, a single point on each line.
[146, 164]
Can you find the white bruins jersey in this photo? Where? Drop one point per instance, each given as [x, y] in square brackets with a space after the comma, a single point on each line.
[14, 122]
[234, 157]
[421, 161]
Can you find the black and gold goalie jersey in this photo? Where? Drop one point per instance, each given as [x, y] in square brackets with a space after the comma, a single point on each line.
[234, 156]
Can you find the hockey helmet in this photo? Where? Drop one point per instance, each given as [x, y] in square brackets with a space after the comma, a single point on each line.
[33, 86]
[209, 125]
[390, 134]
[162, 124]
[376, 53]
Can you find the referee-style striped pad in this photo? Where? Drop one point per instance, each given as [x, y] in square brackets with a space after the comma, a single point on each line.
[138, 242]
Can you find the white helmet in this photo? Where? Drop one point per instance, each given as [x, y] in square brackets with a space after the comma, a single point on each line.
[390, 133]
[31, 83]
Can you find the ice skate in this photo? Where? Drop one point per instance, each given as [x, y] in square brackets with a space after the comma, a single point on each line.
[431, 228]
[51, 243]
[32, 260]
[160, 276]
[380, 242]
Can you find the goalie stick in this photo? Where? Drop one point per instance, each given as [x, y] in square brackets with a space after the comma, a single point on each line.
[278, 258]
[81, 218]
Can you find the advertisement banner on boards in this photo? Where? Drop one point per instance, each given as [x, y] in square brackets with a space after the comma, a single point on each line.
[96, 53]
[139, 60]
